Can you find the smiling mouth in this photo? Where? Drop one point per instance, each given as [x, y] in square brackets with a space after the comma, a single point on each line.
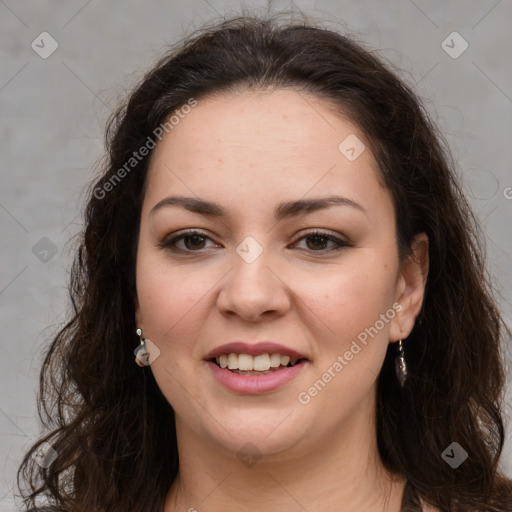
[263, 364]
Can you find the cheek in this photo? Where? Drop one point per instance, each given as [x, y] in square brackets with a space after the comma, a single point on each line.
[347, 301]
[172, 302]
[172, 312]
[351, 338]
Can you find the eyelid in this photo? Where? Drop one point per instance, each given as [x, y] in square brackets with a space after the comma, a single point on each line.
[326, 233]
[340, 241]
[167, 241]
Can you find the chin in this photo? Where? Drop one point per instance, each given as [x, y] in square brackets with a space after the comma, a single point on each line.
[267, 433]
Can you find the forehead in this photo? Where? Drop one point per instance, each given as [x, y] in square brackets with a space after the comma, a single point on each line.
[242, 124]
[266, 144]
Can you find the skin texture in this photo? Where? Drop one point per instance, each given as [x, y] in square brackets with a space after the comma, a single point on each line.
[248, 152]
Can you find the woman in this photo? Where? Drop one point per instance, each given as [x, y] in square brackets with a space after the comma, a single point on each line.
[279, 238]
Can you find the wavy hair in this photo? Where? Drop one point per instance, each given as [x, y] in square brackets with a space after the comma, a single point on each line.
[111, 428]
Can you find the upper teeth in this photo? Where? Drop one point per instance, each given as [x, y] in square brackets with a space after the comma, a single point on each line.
[261, 363]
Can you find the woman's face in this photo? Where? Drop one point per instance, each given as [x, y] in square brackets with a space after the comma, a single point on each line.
[255, 273]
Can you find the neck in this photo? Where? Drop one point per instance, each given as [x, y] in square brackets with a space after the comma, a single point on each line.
[345, 474]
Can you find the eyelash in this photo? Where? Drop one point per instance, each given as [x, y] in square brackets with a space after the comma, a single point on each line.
[171, 244]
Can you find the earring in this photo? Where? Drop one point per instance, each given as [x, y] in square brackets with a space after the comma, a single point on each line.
[141, 353]
[400, 366]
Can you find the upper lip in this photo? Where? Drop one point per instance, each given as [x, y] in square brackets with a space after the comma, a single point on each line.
[254, 349]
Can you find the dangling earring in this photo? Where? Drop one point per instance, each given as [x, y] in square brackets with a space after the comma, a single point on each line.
[400, 366]
[141, 352]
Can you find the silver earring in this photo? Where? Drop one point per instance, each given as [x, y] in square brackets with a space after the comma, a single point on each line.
[400, 366]
[141, 353]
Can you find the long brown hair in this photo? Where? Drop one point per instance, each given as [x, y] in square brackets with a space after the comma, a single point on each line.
[110, 426]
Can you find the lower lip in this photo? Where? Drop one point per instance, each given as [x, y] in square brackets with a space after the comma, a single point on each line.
[255, 384]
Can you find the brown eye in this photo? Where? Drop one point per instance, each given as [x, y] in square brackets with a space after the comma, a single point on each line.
[196, 241]
[193, 241]
[317, 242]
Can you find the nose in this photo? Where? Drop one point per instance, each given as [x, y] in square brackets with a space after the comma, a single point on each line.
[253, 291]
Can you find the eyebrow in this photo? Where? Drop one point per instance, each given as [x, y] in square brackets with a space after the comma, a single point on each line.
[284, 210]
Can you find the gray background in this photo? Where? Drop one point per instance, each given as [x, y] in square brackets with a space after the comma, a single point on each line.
[53, 113]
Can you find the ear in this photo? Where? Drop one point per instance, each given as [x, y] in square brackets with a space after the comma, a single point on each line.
[410, 288]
